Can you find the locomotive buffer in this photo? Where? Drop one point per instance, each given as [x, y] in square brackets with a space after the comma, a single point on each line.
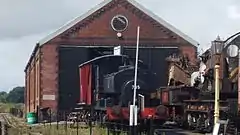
[133, 108]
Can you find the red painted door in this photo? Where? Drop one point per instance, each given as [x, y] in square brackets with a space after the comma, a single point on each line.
[85, 84]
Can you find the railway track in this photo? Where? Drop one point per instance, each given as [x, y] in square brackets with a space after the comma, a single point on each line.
[159, 130]
[167, 130]
[7, 121]
[12, 123]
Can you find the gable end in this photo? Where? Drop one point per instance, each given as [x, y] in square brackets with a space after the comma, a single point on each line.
[139, 10]
[164, 23]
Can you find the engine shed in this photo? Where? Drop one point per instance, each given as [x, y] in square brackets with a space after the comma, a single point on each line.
[52, 75]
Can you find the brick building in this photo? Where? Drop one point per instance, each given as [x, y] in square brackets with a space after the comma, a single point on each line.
[51, 73]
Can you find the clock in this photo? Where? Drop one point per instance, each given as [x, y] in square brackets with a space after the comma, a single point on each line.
[119, 23]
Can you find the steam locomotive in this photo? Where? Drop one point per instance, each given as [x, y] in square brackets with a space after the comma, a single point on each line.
[192, 105]
[106, 90]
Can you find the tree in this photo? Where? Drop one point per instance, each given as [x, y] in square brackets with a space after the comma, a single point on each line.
[3, 97]
[16, 95]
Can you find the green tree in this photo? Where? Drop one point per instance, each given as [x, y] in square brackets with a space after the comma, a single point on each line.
[3, 97]
[16, 95]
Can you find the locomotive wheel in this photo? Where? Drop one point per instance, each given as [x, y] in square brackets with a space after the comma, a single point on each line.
[72, 118]
[180, 121]
[161, 110]
[236, 132]
[232, 129]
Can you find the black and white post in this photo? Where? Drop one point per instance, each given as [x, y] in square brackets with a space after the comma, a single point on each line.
[133, 108]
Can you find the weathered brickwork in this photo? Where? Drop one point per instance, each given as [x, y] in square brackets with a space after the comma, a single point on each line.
[49, 75]
[92, 31]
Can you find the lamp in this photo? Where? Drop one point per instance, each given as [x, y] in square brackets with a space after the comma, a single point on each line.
[217, 47]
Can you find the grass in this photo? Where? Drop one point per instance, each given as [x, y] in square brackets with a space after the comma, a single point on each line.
[5, 107]
[21, 128]
[60, 130]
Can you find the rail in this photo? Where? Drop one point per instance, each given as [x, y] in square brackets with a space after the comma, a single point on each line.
[9, 124]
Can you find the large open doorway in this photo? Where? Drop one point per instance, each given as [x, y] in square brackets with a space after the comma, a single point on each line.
[155, 59]
[71, 57]
[69, 82]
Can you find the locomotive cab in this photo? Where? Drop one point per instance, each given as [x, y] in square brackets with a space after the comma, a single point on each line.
[92, 73]
[122, 83]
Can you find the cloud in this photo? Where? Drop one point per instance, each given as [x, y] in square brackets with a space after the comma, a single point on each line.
[28, 17]
[233, 12]
[14, 54]
[202, 20]
[25, 22]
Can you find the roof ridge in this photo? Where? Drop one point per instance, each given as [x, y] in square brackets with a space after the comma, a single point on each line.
[76, 20]
[73, 22]
[163, 22]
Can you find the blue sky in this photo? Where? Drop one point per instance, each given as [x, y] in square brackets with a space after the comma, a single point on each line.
[25, 22]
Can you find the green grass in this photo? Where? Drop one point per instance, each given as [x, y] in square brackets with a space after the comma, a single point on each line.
[5, 107]
[21, 128]
[60, 130]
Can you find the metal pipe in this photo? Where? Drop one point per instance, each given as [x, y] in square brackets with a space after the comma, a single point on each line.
[136, 67]
[238, 81]
[133, 110]
[135, 80]
[217, 93]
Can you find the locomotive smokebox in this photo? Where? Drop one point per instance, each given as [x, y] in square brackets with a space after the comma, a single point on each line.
[122, 83]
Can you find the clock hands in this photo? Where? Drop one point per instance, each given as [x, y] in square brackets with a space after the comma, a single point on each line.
[121, 20]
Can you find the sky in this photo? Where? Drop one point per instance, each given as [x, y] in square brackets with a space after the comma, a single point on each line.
[23, 23]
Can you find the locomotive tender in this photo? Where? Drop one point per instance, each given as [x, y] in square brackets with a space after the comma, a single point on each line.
[107, 89]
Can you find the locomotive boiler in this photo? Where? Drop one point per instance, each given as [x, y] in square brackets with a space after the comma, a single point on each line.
[106, 89]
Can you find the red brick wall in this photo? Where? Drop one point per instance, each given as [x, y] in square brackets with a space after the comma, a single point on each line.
[25, 95]
[147, 29]
[99, 32]
[32, 86]
[27, 90]
[37, 79]
[49, 75]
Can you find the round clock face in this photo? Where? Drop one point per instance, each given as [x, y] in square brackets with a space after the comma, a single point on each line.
[119, 23]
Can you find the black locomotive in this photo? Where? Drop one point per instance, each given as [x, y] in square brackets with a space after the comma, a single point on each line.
[107, 89]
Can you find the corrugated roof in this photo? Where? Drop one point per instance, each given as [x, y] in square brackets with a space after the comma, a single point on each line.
[105, 2]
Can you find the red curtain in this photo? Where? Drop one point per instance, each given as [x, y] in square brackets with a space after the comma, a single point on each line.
[85, 84]
[89, 91]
